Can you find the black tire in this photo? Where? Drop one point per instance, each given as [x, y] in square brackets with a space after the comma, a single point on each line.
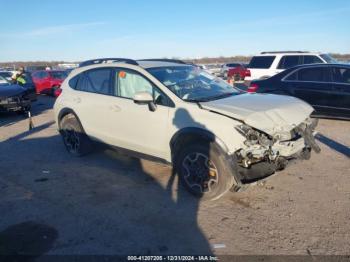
[74, 138]
[217, 185]
[237, 77]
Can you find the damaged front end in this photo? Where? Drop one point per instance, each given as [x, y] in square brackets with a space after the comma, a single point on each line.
[265, 154]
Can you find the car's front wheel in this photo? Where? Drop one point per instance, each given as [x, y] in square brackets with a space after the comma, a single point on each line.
[204, 171]
[76, 141]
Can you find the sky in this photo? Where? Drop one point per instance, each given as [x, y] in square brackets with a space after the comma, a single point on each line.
[77, 30]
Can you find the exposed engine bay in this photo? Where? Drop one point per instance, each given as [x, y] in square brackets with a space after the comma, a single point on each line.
[264, 154]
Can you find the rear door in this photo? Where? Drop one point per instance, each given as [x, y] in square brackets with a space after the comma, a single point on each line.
[340, 105]
[39, 80]
[288, 61]
[92, 100]
[313, 85]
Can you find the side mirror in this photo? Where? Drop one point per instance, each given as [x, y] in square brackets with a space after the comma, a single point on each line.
[143, 98]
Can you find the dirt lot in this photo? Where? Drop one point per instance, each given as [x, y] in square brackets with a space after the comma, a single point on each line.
[105, 203]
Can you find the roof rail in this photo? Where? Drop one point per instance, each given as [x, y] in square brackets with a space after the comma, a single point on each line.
[108, 60]
[279, 52]
[177, 61]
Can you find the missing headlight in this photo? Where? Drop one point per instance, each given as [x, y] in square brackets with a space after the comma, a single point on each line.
[253, 136]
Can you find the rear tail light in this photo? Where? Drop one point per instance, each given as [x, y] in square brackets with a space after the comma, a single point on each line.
[247, 73]
[252, 88]
[57, 92]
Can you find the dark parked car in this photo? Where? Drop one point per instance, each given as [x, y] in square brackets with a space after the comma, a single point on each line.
[13, 97]
[324, 86]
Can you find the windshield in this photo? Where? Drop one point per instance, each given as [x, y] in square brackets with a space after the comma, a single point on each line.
[192, 84]
[329, 59]
[59, 74]
[3, 81]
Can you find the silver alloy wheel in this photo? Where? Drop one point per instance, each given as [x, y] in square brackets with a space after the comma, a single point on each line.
[199, 172]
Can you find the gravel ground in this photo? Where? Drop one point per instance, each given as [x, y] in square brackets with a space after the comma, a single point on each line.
[106, 203]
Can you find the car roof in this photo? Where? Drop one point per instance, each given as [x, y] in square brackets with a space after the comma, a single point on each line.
[144, 63]
[288, 53]
[291, 69]
[319, 65]
[152, 64]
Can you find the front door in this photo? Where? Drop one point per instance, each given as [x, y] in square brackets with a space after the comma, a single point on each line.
[313, 86]
[136, 126]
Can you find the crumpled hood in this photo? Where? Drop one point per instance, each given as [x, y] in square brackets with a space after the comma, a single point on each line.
[271, 114]
[10, 90]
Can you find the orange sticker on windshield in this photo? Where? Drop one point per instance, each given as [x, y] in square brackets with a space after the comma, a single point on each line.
[122, 74]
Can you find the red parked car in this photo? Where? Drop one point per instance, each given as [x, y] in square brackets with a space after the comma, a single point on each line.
[238, 73]
[48, 81]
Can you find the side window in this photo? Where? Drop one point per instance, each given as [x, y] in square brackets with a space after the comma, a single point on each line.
[40, 75]
[289, 61]
[80, 85]
[341, 75]
[261, 62]
[73, 82]
[316, 74]
[128, 83]
[292, 77]
[97, 81]
[311, 59]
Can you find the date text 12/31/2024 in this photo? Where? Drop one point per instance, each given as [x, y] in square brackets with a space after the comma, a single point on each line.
[172, 258]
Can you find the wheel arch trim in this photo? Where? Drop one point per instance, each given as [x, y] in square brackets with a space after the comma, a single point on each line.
[198, 131]
[65, 111]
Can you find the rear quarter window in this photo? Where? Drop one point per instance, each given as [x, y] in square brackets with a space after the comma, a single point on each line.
[73, 81]
[261, 62]
[311, 59]
[341, 75]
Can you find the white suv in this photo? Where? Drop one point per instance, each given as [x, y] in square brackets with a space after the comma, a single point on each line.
[268, 64]
[216, 137]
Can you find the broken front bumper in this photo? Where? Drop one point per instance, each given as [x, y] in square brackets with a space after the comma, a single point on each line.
[264, 156]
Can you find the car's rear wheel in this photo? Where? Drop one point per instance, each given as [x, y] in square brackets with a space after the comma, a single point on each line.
[203, 171]
[76, 141]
